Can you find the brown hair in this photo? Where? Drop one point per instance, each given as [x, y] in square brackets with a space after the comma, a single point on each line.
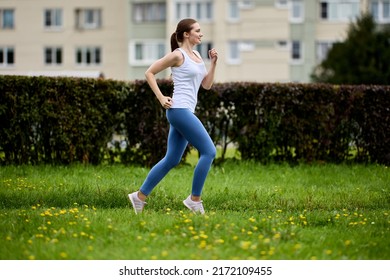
[185, 25]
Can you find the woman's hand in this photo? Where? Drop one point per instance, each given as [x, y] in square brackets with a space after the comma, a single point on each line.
[166, 102]
[213, 55]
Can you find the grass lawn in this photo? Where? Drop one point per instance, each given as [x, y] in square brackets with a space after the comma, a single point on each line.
[253, 211]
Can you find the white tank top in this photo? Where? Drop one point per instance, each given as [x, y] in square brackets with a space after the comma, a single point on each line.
[187, 79]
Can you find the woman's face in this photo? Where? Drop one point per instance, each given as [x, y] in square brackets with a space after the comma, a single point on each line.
[195, 36]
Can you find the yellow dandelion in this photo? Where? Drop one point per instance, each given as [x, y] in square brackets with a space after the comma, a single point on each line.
[8, 238]
[347, 242]
[202, 244]
[63, 255]
[245, 244]
[31, 257]
[328, 252]
[252, 220]
[219, 241]
[297, 246]
[277, 235]
[164, 253]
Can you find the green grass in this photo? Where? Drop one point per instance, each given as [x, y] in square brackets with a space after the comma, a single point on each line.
[253, 212]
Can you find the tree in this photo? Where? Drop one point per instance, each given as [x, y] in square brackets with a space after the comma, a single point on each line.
[363, 58]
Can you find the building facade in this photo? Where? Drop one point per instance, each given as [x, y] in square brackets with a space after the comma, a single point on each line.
[257, 40]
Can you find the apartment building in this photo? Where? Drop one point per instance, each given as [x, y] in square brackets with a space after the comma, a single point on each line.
[257, 40]
[63, 38]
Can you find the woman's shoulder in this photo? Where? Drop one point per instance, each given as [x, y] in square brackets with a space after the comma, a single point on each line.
[177, 57]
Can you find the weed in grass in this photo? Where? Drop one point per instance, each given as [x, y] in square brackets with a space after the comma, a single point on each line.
[253, 212]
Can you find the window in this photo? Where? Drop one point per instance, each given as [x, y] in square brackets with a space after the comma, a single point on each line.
[145, 52]
[88, 18]
[282, 45]
[88, 56]
[297, 11]
[7, 56]
[234, 56]
[204, 48]
[296, 51]
[202, 10]
[339, 10]
[380, 10]
[149, 12]
[53, 55]
[281, 4]
[234, 10]
[6, 19]
[322, 50]
[53, 18]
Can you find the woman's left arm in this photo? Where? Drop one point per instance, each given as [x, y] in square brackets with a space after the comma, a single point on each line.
[209, 78]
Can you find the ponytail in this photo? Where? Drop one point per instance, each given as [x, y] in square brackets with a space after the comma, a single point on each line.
[174, 43]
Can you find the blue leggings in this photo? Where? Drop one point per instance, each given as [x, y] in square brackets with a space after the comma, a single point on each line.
[185, 128]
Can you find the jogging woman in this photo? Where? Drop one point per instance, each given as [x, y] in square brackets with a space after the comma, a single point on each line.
[188, 74]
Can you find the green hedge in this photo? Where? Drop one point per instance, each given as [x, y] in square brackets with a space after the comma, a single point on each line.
[66, 120]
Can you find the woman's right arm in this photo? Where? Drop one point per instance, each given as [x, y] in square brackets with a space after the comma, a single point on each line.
[170, 60]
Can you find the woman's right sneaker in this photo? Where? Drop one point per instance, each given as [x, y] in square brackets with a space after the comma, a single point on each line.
[137, 203]
[194, 206]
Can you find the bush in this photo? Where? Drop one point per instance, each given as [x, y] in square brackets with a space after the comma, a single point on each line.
[66, 120]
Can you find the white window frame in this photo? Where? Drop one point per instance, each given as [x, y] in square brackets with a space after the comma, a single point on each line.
[56, 19]
[234, 54]
[6, 51]
[4, 21]
[149, 12]
[282, 45]
[151, 50]
[89, 18]
[380, 16]
[201, 10]
[54, 56]
[95, 60]
[281, 4]
[340, 10]
[297, 6]
[298, 60]
[233, 12]
[322, 50]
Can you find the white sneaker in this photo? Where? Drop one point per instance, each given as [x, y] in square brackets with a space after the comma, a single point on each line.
[194, 206]
[137, 203]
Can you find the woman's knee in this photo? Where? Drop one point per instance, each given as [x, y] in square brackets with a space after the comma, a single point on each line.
[211, 152]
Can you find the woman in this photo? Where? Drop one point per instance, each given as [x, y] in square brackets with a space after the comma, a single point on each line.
[188, 74]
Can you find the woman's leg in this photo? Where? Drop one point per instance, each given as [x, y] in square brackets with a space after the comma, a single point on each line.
[175, 149]
[189, 126]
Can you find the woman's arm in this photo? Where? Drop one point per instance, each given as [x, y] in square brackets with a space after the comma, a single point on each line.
[209, 78]
[170, 60]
